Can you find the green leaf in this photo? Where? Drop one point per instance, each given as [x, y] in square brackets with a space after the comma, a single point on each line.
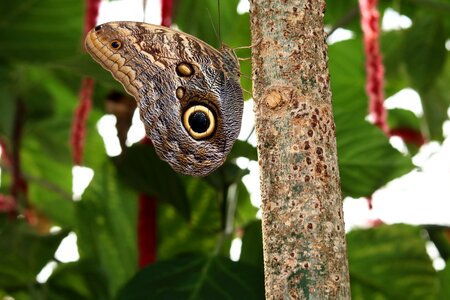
[23, 254]
[395, 74]
[243, 149]
[444, 280]
[48, 30]
[424, 50]
[252, 246]
[7, 112]
[141, 168]
[435, 103]
[366, 159]
[390, 262]
[196, 276]
[226, 175]
[338, 11]
[202, 232]
[402, 118]
[192, 17]
[106, 227]
[79, 280]
[50, 191]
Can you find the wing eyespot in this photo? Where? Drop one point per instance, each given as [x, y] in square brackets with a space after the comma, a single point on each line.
[180, 92]
[116, 44]
[184, 69]
[199, 121]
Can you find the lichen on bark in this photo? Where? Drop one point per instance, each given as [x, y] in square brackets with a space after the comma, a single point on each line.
[303, 228]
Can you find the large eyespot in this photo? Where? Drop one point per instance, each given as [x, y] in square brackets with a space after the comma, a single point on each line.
[116, 44]
[199, 121]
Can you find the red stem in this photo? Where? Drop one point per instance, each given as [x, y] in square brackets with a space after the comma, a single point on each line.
[370, 18]
[87, 88]
[80, 118]
[91, 13]
[147, 229]
[166, 12]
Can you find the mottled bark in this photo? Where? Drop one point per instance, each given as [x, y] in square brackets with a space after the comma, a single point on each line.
[303, 227]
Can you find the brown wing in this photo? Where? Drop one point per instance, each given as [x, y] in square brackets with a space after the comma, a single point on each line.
[188, 92]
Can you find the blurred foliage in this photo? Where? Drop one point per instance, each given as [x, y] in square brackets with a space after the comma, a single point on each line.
[42, 65]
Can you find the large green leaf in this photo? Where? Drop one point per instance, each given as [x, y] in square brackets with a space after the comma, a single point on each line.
[390, 262]
[435, 103]
[143, 170]
[106, 227]
[424, 50]
[23, 254]
[366, 159]
[78, 280]
[196, 277]
[201, 233]
[40, 30]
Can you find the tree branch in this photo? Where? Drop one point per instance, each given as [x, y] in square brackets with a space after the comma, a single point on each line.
[302, 219]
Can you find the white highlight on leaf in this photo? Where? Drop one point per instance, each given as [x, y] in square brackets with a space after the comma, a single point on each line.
[407, 99]
[340, 35]
[243, 7]
[46, 272]
[392, 20]
[106, 127]
[55, 229]
[235, 249]
[438, 262]
[399, 144]
[81, 177]
[248, 123]
[136, 131]
[68, 249]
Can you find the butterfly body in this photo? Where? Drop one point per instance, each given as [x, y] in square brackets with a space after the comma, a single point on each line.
[188, 93]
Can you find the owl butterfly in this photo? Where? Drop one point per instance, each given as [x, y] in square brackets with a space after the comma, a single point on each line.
[188, 93]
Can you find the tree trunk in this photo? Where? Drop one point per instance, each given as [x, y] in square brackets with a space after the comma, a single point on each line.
[303, 227]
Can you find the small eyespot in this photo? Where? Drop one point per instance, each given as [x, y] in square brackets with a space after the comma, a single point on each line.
[199, 121]
[116, 44]
[184, 69]
[180, 92]
[98, 27]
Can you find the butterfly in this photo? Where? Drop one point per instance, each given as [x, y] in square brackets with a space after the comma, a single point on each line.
[187, 92]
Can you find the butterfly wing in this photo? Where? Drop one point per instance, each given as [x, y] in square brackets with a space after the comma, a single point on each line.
[188, 93]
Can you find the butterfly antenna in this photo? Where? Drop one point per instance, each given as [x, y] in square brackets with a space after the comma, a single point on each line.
[218, 12]
[214, 28]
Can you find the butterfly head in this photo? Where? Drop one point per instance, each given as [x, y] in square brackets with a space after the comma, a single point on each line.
[109, 44]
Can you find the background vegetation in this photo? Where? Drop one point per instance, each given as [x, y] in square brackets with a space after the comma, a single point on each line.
[42, 65]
